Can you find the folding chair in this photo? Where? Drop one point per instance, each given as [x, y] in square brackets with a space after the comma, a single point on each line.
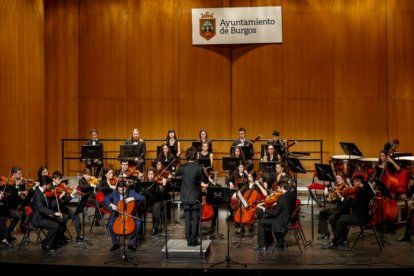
[313, 189]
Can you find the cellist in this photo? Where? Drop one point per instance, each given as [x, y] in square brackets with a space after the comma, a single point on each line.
[111, 201]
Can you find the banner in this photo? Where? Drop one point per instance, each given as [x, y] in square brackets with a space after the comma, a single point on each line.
[237, 25]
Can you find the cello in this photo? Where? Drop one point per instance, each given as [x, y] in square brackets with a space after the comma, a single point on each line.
[124, 224]
[247, 215]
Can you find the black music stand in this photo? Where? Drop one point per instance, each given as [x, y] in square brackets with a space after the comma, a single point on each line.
[128, 151]
[350, 149]
[175, 187]
[296, 167]
[263, 149]
[148, 190]
[267, 166]
[231, 163]
[81, 209]
[205, 163]
[173, 150]
[197, 145]
[219, 197]
[216, 195]
[92, 152]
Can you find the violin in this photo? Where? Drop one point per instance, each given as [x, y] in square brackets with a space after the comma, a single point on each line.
[114, 180]
[350, 192]
[271, 199]
[339, 189]
[93, 180]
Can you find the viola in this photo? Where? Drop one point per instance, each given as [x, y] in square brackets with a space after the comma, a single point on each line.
[125, 219]
[272, 199]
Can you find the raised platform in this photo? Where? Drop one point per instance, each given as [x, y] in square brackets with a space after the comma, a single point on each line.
[179, 248]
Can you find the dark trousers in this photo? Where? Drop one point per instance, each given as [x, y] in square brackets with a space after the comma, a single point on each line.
[133, 238]
[55, 229]
[330, 215]
[264, 223]
[192, 221]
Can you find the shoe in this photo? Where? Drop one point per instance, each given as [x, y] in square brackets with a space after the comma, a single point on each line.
[132, 247]
[260, 248]
[48, 248]
[344, 243]
[333, 245]
[322, 236]
[240, 230]
[67, 239]
[195, 243]
[189, 244]
[154, 231]
[230, 218]
[114, 247]
[79, 239]
[5, 243]
[404, 238]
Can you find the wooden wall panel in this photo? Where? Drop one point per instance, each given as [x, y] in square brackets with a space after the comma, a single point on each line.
[61, 69]
[22, 108]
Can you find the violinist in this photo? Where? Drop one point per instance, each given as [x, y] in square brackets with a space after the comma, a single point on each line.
[165, 155]
[278, 144]
[64, 196]
[98, 161]
[87, 184]
[131, 174]
[332, 212]
[140, 150]
[163, 179]
[237, 152]
[359, 214]
[129, 196]
[14, 186]
[44, 217]
[108, 182]
[276, 218]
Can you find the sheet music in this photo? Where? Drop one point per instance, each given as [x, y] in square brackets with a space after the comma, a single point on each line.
[242, 200]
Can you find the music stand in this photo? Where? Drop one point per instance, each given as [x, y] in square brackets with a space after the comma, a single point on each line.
[128, 151]
[230, 163]
[92, 152]
[267, 166]
[223, 197]
[81, 209]
[148, 190]
[216, 195]
[175, 187]
[205, 163]
[296, 167]
[173, 150]
[350, 149]
[324, 173]
[263, 149]
[197, 145]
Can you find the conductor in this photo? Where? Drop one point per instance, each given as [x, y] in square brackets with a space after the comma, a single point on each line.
[192, 176]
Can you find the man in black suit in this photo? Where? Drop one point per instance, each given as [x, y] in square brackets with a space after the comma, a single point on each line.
[192, 176]
[45, 217]
[97, 161]
[359, 212]
[277, 217]
[278, 145]
[140, 150]
[244, 143]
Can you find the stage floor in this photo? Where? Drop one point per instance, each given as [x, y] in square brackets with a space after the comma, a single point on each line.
[223, 253]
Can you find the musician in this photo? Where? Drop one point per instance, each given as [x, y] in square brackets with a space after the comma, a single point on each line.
[62, 199]
[97, 162]
[42, 171]
[87, 184]
[204, 154]
[235, 181]
[165, 155]
[139, 160]
[3, 230]
[44, 217]
[192, 176]
[131, 174]
[237, 152]
[12, 200]
[108, 182]
[163, 175]
[332, 213]
[111, 202]
[172, 141]
[244, 142]
[203, 138]
[278, 144]
[359, 212]
[277, 217]
[408, 226]
[384, 159]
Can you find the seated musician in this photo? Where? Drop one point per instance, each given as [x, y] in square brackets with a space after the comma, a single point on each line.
[87, 184]
[359, 205]
[332, 212]
[112, 201]
[278, 144]
[164, 175]
[64, 197]
[3, 230]
[203, 138]
[237, 179]
[108, 182]
[237, 152]
[276, 217]
[252, 185]
[410, 217]
[165, 155]
[43, 216]
[97, 162]
[244, 142]
[139, 160]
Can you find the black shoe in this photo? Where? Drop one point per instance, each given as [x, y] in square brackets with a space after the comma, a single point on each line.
[114, 247]
[189, 244]
[79, 239]
[5, 243]
[195, 243]
[47, 248]
[333, 245]
[67, 239]
[154, 231]
[260, 248]
[99, 223]
[344, 243]
[132, 247]
[404, 238]
[230, 218]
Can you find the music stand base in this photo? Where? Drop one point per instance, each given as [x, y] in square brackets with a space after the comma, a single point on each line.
[229, 261]
[124, 258]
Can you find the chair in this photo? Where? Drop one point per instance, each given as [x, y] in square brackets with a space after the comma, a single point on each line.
[99, 199]
[295, 226]
[313, 189]
[30, 228]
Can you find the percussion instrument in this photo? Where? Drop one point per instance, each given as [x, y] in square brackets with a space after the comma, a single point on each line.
[367, 165]
[407, 162]
[344, 163]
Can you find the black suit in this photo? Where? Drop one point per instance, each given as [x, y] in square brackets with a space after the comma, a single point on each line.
[140, 150]
[191, 174]
[90, 163]
[44, 217]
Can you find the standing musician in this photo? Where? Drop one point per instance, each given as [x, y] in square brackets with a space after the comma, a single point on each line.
[192, 177]
[279, 145]
[172, 141]
[276, 218]
[141, 150]
[203, 138]
[114, 201]
[97, 162]
[244, 142]
[332, 213]
[65, 196]
[44, 217]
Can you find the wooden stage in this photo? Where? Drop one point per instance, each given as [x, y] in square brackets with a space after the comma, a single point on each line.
[223, 253]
